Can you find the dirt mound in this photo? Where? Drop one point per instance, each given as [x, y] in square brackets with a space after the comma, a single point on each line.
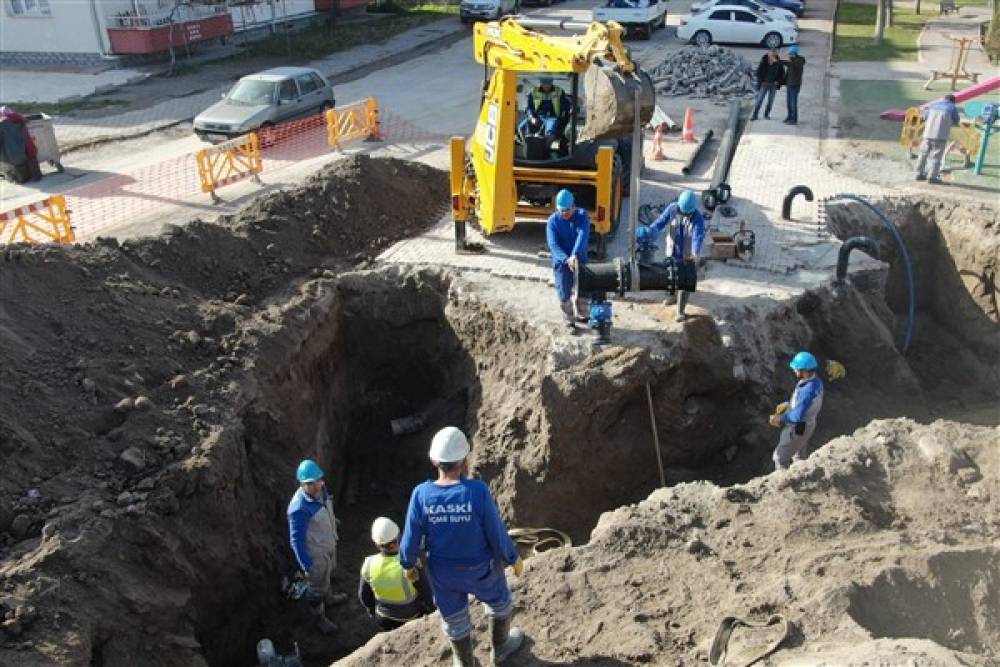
[848, 546]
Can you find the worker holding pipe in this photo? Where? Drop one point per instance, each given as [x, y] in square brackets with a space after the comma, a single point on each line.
[390, 598]
[568, 235]
[312, 529]
[797, 417]
[467, 546]
[685, 227]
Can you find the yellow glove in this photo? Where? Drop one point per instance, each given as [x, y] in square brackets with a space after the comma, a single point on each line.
[412, 575]
[835, 370]
[781, 409]
[518, 567]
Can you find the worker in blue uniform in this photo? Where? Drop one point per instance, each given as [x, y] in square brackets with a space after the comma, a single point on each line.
[797, 418]
[467, 546]
[391, 599]
[568, 235]
[312, 530]
[685, 234]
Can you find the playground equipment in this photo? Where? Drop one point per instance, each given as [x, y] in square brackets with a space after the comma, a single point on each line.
[964, 136]
[988, 118]
[987, 86]
[959, 54]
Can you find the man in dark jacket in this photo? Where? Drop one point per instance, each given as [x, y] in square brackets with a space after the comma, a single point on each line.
[793, 82]
[770, 74]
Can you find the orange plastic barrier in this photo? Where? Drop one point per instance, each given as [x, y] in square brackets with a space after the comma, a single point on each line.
[46, 221]
[229, 162]
[353, 121]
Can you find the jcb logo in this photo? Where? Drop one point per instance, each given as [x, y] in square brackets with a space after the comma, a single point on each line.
[490, 141]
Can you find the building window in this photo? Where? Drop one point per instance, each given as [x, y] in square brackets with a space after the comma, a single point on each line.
[28, 7]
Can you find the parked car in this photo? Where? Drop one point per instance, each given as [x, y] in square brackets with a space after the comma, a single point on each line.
[264, 99]
[644, 16]
[737, 25]
[487, 10]
[758, 6]
[797, 7]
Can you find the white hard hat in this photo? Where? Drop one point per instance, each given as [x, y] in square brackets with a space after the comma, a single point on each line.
[449, 445]
[384, 530]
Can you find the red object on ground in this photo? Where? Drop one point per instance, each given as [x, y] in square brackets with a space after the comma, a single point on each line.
[975, 90]
[687, 131]
[154, 40]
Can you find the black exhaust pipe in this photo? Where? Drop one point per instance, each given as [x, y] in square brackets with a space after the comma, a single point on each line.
[864, 243]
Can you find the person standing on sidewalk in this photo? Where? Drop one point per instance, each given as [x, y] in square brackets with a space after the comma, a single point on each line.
[939, 118]
[770, 74]
[793, 82]
[312, 529]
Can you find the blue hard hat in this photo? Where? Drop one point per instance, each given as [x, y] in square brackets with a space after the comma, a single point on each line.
[564, 200]
[688, 202]
[794, 51]
[308, 471]
[803, 361]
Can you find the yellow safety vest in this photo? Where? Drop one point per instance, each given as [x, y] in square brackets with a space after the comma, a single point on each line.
[388, 581]
[538, 96]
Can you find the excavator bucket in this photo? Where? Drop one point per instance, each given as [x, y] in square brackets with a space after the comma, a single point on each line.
[610, 96]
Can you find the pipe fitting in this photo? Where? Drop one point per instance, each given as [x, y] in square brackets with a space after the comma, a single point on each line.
[868, 245]
[786, 204]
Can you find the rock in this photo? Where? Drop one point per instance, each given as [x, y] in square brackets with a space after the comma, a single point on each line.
[179, 381]
[124, 498]
[200, 410]
[146, 484]
[25, 613]
[20, 526]
[124, 405]
[698, 548]
[108, 514]
[12, 627]
[192, 337]
[143, 403]
[6, 516]
[134, 457]
[88, 385]
[243, 300]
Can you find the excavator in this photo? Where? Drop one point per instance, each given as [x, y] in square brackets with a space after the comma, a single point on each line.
[504, 172]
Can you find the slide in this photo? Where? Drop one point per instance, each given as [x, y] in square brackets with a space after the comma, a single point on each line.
[975, 90]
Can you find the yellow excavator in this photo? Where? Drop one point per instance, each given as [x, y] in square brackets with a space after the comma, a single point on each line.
[506, 172]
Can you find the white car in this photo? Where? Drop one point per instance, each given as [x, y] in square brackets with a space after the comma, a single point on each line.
[736, 25]
[766, 10]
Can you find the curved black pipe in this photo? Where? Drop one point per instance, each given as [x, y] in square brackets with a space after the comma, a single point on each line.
[689, 165]
[786, 204]
[668, 275]
[869, 245]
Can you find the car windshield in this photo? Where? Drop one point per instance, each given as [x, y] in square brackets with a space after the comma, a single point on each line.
[250, 91]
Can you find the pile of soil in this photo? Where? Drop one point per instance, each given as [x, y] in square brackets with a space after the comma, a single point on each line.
[848, 546]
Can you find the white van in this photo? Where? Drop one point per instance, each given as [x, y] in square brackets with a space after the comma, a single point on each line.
[487, 10]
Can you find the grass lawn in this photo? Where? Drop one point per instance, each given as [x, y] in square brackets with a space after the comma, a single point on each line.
[318, 41]
[58, 108]
[855, 33]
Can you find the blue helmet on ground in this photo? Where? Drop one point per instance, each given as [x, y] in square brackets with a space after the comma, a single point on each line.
[793, 51]
[803, 361]
[308, 471]
[564, 200]
[688, 202]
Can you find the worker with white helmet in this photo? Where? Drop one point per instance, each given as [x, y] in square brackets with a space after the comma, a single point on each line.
[457, 522]
[797, 417]
[312, 530]
[384, 590]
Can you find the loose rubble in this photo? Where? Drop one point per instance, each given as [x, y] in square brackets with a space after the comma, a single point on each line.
[704, 72]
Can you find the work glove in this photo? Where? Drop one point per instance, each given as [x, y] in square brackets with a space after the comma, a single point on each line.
[835, 370]
[572, 263]
[775, 421]
[412, 575]
[518, 567]
[781, 408]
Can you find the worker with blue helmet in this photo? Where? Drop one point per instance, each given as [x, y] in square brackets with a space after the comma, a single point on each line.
[568, 235]
[312, 529]
[797, 417]
[794, 67]
[685, 236]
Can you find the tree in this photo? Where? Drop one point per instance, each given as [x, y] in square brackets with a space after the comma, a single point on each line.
[888, 13]
[880, 12]
[916, 6]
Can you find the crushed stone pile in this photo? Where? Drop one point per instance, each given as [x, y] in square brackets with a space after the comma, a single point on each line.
[704, 72]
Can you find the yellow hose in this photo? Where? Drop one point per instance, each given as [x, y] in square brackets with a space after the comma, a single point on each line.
[540, 539]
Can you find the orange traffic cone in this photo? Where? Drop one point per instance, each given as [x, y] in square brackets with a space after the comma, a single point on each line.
[687, 134]
[658, 142]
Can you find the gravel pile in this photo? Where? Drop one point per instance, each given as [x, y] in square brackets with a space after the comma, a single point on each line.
[704, 72]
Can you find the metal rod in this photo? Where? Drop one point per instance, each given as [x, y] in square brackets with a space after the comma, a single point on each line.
[633, 193]
[656, 436]
[562, 24]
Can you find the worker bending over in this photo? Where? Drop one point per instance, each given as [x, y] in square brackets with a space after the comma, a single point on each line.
[467, 546]
[390, 598]
[939, 118]
[568, 235]
[797, 418]
[312, 529]
[685, 227]
[548, 109]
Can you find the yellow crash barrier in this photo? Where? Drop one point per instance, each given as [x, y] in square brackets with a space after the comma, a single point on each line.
[353, 121]
[46, 221]
[229, 162]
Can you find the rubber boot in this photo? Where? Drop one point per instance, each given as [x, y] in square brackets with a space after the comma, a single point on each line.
[461, 653]
[323, 624]
[505, 639]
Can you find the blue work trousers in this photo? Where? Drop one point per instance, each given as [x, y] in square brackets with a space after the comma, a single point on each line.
[452, 585]
[549, 123]
[792, 98]
[767, 90]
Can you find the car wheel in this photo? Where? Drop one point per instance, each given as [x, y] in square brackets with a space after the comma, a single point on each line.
[772, 40]
[703, 38]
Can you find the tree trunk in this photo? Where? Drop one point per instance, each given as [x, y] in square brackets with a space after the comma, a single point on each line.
[888, 13]
[880, 21]
[916, 6]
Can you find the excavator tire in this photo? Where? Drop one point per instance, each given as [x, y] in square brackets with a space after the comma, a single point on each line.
[610, 96]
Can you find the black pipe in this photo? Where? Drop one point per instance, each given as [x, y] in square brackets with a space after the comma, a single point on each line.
[686, 169]
[870, 246]
[668, 275]
[727, 150]
[786, 204]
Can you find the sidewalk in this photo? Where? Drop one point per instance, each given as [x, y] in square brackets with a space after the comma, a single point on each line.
[76, 132]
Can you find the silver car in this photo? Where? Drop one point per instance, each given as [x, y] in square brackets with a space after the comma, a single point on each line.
[264, 99]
